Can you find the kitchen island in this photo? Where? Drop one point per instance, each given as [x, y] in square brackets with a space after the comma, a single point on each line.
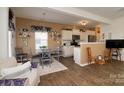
[80, 53]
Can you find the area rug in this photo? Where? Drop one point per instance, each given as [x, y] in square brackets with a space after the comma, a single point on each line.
[55, 67]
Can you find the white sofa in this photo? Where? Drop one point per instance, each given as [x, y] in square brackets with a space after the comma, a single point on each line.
[32, 75]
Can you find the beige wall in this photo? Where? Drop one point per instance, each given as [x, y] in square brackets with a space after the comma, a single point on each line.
[27, 23]
[96, 49]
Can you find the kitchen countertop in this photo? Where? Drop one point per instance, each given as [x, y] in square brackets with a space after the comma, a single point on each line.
[92, 42]
[77, 46]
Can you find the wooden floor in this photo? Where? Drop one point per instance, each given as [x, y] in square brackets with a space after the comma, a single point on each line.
[108, 74]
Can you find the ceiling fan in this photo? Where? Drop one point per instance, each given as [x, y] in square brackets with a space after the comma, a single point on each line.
[84, 25]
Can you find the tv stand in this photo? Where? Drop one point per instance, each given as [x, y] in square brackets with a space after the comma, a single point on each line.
[115, 52]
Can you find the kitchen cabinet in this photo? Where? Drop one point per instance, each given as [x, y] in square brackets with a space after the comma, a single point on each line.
[68, 51]
[76, 32]
[66, 35]
[83, 36]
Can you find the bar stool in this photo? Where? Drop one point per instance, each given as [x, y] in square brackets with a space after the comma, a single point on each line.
[89, 55]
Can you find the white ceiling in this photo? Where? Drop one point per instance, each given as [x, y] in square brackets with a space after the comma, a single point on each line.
[62, 17]
[51, 15]
[107, 12]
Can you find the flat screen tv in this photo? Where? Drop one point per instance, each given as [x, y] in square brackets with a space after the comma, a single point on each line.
[115, 43]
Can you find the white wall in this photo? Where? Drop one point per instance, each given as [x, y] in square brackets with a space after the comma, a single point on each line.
[11, 43]
[3, 32]
[116, 28]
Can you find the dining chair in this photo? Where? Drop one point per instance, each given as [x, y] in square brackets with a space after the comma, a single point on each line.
[57, 53]
[21, 56]
[107, 56]
[89, 55]
[45, 57]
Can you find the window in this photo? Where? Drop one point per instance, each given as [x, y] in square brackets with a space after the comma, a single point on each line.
[41, 39]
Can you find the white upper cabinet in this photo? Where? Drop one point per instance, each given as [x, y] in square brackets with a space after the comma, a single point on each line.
[66, 35]
[83, 36]
[76, 32]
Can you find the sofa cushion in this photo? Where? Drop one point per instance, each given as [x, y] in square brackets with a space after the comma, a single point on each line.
[8, 62]
[13, 72]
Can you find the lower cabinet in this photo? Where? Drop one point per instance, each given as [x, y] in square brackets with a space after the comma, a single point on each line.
[68, 51]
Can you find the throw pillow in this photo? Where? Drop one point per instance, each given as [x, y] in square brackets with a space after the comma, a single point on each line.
[14, 72]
